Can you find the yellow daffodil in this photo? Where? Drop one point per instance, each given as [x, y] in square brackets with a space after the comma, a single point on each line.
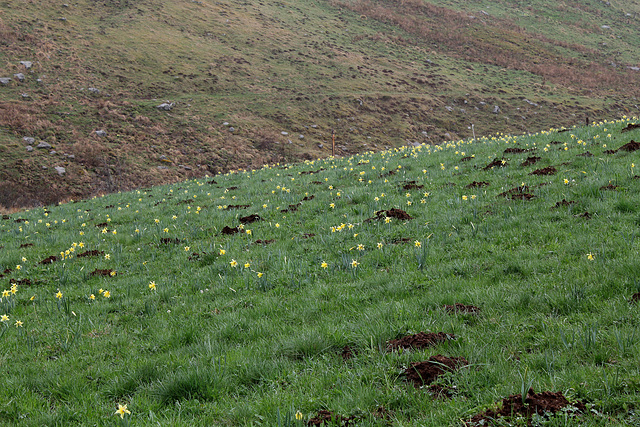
[122, 410]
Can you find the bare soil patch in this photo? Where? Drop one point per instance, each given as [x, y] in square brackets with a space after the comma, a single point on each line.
[228, 230]
[630, 146]
[250, 218]
[549, 170]
[496, 163]
[530, 161]
[518, 193]
[329, 418]
[461, 308]
[391, 213]
[423, 373]
[563, 204]
[476, 184]
[534, 403]
[100, 272]
[419, 341]
[49, 260]
[630, 126]
[90, 253]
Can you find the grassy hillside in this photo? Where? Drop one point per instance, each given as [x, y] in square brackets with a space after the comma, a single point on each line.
[380, 74]
[273, 297]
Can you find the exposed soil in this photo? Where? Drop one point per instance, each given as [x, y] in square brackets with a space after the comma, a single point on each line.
[307, 198]
[518, 193]
[609, 152]
[237, 207]
[530, 161]
[563, 203]
[535, 403]
[329, 418]
[461, 308]
[229, 230]
[232, 188]
[586, 154]
[19, 220]
[419, 340]
[585, 215]
[556, 142]
[316, 182]
[422, 373]
[391, 213]
[630, 126]
[412, 185]
[347, 353]
[102, 224]
[476, 184]
[106, 272]
[630, 146]
[264, 242]
[399, 240]
[609, 187]
[635, 297]
[250, 218]
[549, 170]
[291, 208]
[90, 253]
[466, 159]
[515, 150]
[168, 240]
[308, 235]
[311, 172]
[49, 260]
[23, 282]
[496, 163]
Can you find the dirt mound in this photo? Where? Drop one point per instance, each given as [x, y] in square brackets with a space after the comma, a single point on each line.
[291, 208]
[630, 146]
[168, 240]
[586, 154]
[106, 272]
[496, 163]
[476, 184]
[90, 253]
[412, 185]
[237, 207]
[630, 126]
[347, 353]
[422, 373]
[329, 418]
[264, 242]
[518, 193]
[461, 308]
[609, 187]
[563, 203]
[391, 213]
[636, 297]
[26, 245]
[549, 170]
[534, 403]
[585, 215]
[530, 160]
[229, 230]
[515, 150]
[419, 340]
[250, 218]
[49, 260]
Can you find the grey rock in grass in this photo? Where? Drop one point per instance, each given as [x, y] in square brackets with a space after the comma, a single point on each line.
[93, 90]
[301, 136]
[320, 145]
[19, 76]
[162, 167]
[634, 68]
[188, 168]
[61, 171]
[5, 80]
[25, 95]
[29, 140]
[225, 124]
[26, 64]
[496, 109]
[44, 145]
[232, 129]
[53, 152]
[284, 133]
[101, 132]
[30, 148]
[605, 27]
[166, 106]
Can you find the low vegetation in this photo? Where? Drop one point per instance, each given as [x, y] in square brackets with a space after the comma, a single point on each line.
[489, 278]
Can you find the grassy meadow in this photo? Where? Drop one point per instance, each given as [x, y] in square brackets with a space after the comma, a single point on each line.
[269, 297]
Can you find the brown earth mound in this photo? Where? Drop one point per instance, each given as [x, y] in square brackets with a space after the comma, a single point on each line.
[229, 230]
[26, 245]
[630, 146]
[585, 215]
[419, 340]
[476, 184]
[515, 150]
[563, 203]
[530, 160]
[106, 272]
[237, 207]
[250, 218]
[264, 242]
[630, 126]
[412, 185]
[422, 373]
[168, 240]
[534, 403]
[461, 308]
[636, 297]
[518, 193]
[291, 208]
[90, 253]
[391, 213]
[347, 353]
[549, 170]
[49, 260]
[609, 187]
[586, 154]
[496, 162]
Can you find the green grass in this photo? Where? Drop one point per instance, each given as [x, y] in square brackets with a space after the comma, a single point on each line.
[238, 332]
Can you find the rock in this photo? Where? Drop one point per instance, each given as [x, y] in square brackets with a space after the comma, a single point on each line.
[605, 27]
[188, 168]
[101, 132]
[634, 68]
[61, 171]
[225, 124]
[496, 109]
[284, 133]
[26, 64]
[320, 145]
[166, 106]
[449, 109]
[29, 140]
[29, 148]
[301, 136]
[530, 102]
[5, 80]
[25, 95]
[231, 129]
[162, 167]
[19, 76]
[93, 90]
[314, 126]
[44, 145]
[53, 152]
